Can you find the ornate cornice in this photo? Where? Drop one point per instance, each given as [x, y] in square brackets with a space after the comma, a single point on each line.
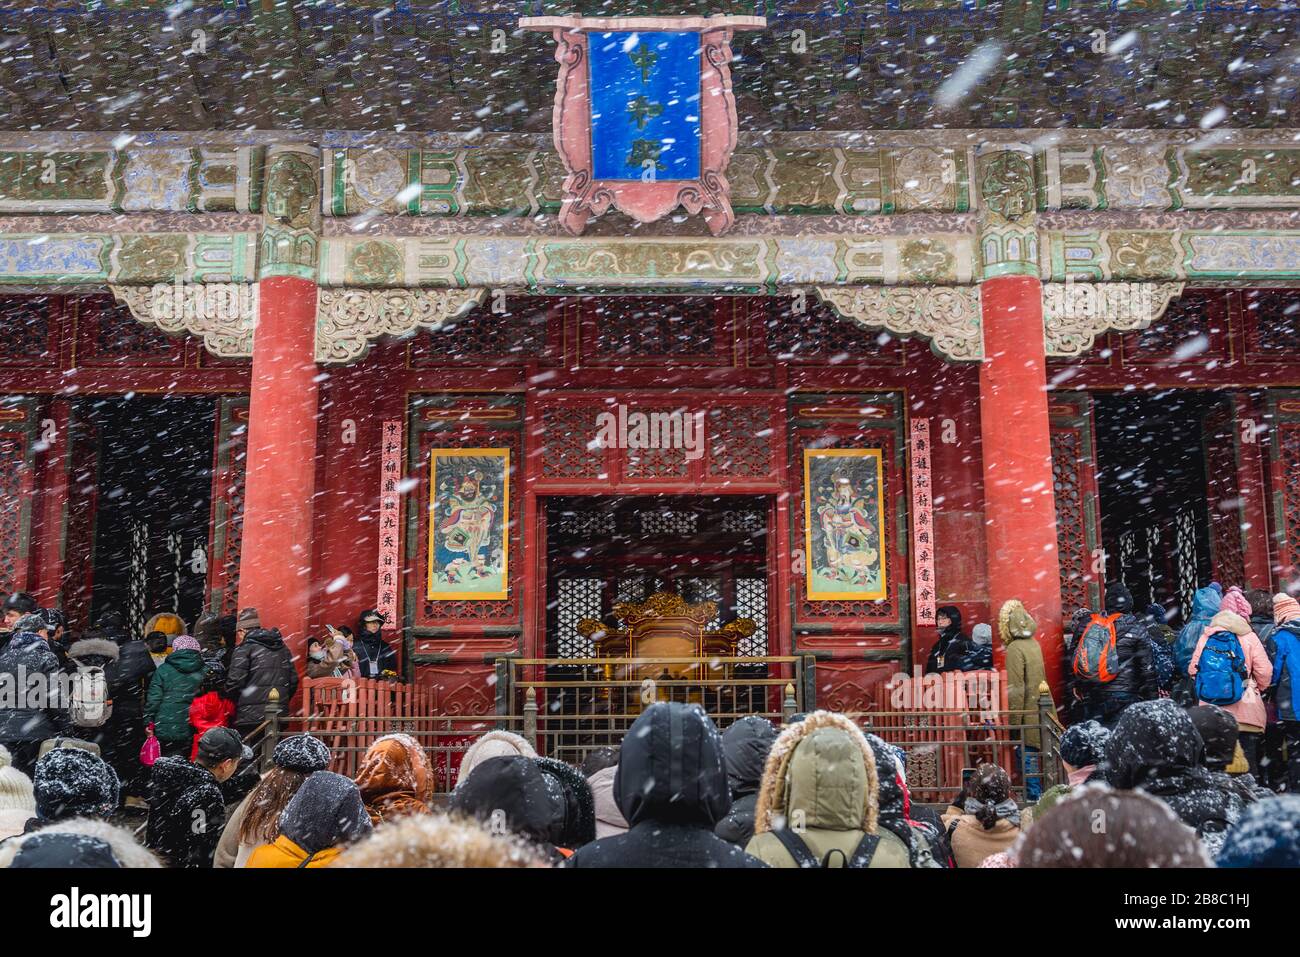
[223, 315]
[949, 316]
[348, 320]
[1075, 313]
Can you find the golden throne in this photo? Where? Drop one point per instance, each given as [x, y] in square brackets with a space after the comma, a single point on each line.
[665, 625]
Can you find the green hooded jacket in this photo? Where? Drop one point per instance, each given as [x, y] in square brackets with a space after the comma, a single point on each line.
[827, 794]
[171, 690]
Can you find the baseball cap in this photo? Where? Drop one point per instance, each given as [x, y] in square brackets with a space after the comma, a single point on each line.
[222, 744]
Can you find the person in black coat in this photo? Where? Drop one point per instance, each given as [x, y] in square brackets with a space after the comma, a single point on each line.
[375, 656]
[127, 678]
[952, 646]
[29, 719]
[261, 662]
[187, 812]
[1156, 748]
[744, 747]
[514, 794]
[671, 786]
[1219, 732]
[1136, 677]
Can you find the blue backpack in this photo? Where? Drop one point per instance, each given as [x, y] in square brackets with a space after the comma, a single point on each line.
[1221, 674]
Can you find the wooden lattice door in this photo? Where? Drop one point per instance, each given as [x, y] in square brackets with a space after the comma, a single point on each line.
[229, 467]
[1078, 516]
[18, 434]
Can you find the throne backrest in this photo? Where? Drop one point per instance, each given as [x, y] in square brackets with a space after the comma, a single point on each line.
[666, 625]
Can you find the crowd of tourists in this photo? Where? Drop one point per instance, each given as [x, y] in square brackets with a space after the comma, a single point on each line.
[1179, 740]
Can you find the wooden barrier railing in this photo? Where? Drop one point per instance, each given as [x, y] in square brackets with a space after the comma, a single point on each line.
[343, 711]
[945, 723]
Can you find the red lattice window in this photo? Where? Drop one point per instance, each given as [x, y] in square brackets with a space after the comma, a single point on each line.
[1223, 498]
[27, 332]
[626, 327]
[568, 431]
[13, 465]
[740, 441]
[819, 335]
[517, 335]
[1194, 329]
[1289, 440]
[228, 502]
[119, 336]
[1071, 518]
[665, 463]
[1272, 322]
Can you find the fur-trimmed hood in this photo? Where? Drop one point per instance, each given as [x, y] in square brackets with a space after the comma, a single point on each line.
[1229, 621]
[787, 776]
[494, 744]
[125, 847]
[437, 840]
[85, 648]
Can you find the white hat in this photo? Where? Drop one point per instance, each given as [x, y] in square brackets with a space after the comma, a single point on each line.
[15, 787]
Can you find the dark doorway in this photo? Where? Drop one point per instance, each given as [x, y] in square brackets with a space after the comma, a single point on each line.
[605, 550]
[1151, 481]
[154, 500]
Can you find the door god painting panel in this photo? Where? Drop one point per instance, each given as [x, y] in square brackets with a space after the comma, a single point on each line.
[843, 509]
[468, 523]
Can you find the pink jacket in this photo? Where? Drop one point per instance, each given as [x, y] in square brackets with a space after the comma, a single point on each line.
[1249, 711]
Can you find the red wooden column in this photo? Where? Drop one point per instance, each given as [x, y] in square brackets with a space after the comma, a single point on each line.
[1019, 501]
[275, 566]
[275, 558]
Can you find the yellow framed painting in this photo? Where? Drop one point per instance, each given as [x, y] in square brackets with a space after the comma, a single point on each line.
[844, 528]
[469, 522]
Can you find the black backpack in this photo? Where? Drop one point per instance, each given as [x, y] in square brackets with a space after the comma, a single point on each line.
[804, 857]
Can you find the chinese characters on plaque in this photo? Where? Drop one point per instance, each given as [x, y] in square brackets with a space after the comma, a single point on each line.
[390, 511]
[922, 522]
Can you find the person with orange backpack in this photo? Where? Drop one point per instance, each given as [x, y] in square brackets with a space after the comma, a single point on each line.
[1113, 666]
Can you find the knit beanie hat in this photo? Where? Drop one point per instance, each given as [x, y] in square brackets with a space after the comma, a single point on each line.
[1285, 608]
[70, 782]
[301, 753]
[1267, 835]
[1084, 744]
[1235, 602]
[982, 634]
[185, 643]
[15, 787]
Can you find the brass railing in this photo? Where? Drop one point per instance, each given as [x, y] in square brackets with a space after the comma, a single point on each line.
[568, 707]
[574, 705]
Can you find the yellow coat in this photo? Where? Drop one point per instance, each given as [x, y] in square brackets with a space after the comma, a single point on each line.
[283, 852]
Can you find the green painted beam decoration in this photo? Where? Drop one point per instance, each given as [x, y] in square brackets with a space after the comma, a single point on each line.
[129, 180]
[126, 258]
[817, 180]
[1137, 255]
[1260, 173]
[759, 263]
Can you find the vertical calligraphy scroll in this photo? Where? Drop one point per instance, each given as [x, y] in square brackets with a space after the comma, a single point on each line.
[390, 517]
[922, 522]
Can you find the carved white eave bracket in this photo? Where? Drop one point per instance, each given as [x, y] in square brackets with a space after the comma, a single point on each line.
[349, 320]
[948, 316]
[222, 314]
[1076, 313]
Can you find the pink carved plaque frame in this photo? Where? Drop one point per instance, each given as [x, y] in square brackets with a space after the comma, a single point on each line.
[586, 197]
